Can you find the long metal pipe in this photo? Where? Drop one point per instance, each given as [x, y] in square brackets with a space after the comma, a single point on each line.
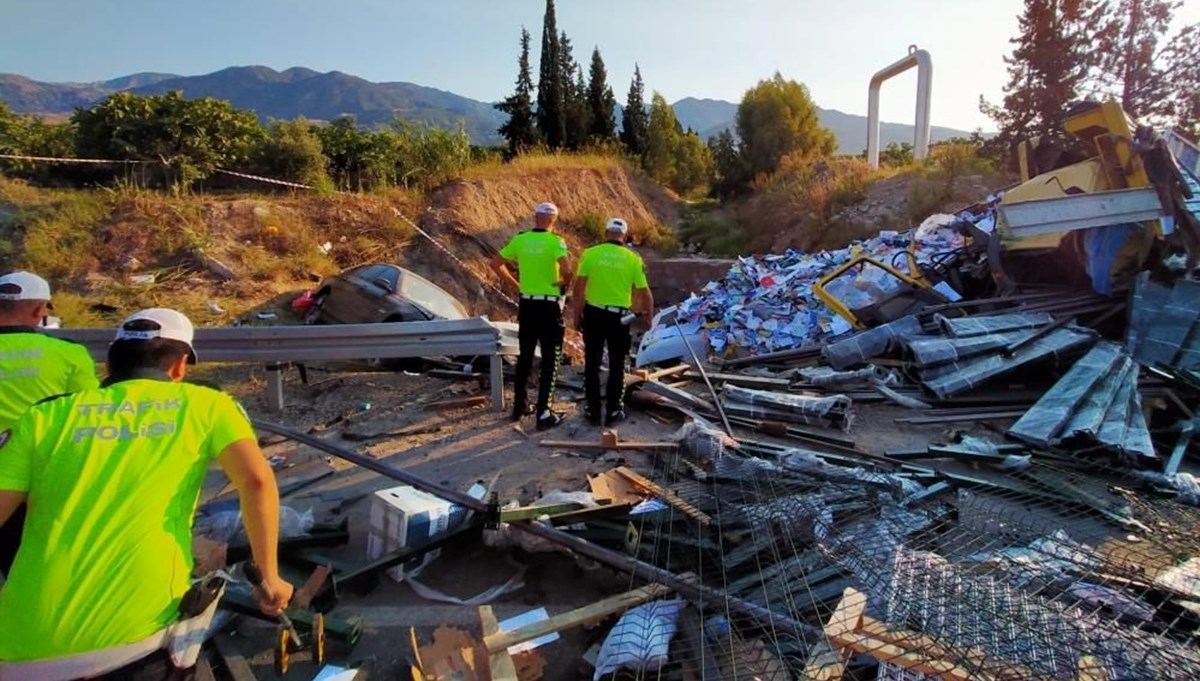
[693, 591]
[924, 64]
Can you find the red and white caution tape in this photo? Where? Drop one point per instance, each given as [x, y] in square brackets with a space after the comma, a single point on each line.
[52, 159]
[267, 180]
[453, 257]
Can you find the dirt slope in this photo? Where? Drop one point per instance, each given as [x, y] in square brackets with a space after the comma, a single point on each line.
[99, 248]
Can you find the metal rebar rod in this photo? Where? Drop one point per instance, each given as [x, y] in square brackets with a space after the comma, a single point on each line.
[704, 374]
[691, 590]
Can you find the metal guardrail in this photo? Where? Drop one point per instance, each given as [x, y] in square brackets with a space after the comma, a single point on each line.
[275, 346]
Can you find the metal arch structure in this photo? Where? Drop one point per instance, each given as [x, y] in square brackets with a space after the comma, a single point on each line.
[924, 64]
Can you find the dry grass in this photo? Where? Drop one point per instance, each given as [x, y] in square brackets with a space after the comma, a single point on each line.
[538, 161]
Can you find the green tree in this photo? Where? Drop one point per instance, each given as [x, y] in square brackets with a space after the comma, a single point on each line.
[1182, 104]
[777, 118]
[1046, 70]
[426, 157]
[292, 151]
[602, 104]
[191, 137]
[520, 129]
[575, 106]
[662, 140]
[358, 159]
[550, 118]
[634, 123]
[694, 167]
[1128, 50]
[896, 155]
[729, 166]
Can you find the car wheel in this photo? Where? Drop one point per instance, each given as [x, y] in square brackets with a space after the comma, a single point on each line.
[314, 316]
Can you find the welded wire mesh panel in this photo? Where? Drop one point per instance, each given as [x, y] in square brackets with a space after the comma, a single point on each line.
[896, 574]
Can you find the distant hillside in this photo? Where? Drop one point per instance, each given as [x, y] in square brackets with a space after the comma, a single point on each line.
[325, 96]
[275, 94]
[710, 116]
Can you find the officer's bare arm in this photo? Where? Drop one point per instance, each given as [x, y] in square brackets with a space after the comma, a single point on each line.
[577, 299]
[258, 494]
[645, 300]
[504, 270]
[10, 501]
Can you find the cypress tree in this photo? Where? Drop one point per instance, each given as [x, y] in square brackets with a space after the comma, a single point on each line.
[635, 125]
[601, 103]
[550, 121]
[520, 130]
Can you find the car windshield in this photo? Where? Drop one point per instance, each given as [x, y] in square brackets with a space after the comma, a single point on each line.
[430, 297]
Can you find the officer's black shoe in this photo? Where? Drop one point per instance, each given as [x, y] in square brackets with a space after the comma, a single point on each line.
[615, 417]
[593, 417]
[549, 420]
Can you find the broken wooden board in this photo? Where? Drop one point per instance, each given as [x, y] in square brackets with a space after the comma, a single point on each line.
[615, 488]
[671, 498]
[457, 403]
[452, 655]
[580, 617]
[610, 440]
[680, 397]
[367, 433]
[499, 663]
[850, 630]
[304, 596]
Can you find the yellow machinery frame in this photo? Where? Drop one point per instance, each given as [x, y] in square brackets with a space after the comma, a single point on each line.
[837, 306]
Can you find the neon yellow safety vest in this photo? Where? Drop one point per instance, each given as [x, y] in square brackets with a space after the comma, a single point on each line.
[34, 366]
[537, 254]
[612, 273]
[112, 477]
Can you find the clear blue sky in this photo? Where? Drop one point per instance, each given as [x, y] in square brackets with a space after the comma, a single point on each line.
[697, 48]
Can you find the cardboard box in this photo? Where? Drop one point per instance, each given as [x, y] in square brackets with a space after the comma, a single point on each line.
[407, 517]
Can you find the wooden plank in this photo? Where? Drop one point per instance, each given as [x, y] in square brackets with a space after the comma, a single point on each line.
[750, 381]
[824, 663]
[204, 671]
[680, 397]
[574, 444]
[589, 614]
[305, 594]
[500, 663]
[915, 661]
[665, 494]
[456, 403]
[235, 664]
[609, 486]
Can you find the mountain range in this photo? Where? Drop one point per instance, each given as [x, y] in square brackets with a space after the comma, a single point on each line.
[300, 91]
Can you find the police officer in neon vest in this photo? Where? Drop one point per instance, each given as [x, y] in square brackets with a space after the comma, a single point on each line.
[539, 255]
[112, 476]
[610, 293]
[33, 366]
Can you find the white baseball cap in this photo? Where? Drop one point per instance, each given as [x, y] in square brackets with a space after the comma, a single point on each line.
[24, 286]
[617, 225]
[546, 208]
[171, 324]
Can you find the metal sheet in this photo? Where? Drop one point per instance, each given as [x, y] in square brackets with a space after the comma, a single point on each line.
[987, 367]
[1149, 297]
[1043, 423]
[1169, 328]
[984, 325]
[1081, 211]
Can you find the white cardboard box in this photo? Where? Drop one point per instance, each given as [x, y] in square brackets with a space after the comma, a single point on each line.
[406, 516]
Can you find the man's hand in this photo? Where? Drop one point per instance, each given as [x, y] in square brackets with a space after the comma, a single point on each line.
[642, 321]
[274, 594]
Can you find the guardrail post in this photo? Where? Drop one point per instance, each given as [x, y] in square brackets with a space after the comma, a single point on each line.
[497, 371]
[275, 386]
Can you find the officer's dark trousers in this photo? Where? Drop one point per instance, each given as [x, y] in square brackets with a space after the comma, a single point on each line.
[540, 324]
[603, 328]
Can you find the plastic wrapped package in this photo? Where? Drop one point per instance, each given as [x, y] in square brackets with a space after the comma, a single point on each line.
[640, 641]
[985, 325]
[701, 441]
[866, 345]
[227, 525]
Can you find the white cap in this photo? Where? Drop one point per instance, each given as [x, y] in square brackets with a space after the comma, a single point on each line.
[28, 286]
[172, 325]
[617, 225]
[546, 208]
